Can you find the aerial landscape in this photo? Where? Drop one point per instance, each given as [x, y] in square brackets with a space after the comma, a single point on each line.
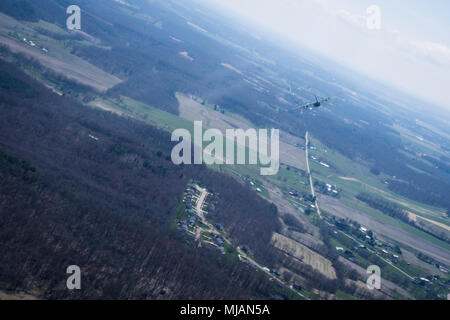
[121, 179]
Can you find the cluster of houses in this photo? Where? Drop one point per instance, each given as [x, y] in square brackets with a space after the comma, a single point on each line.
[191, 222]
[193, 218]
[391, 257]
[192, 214]
[219, 242]
[392, 254]
[322, 163]
[189, 194]
[303, 198]
[364, 232]
[332, 188]
[34, 45]
[326, 188]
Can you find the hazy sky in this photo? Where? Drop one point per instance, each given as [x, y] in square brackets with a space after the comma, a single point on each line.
[411, 50]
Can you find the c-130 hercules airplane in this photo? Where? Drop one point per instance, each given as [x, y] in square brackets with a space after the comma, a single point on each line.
[312, 105]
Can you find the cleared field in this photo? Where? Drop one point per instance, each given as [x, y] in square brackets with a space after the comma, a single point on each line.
[390, 228]
[129, 107]
[411, 258]
[415, 217]
[304, 254]
[144, 112]
[71, 67]
[193, 111]
[44, 25]
[386, 285]
[58, 59]
[431, 214]
[354, 178]
[409, 136]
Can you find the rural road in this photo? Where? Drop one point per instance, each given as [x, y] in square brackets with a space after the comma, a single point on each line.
[198, 208]
[320, 216]
[308, 170]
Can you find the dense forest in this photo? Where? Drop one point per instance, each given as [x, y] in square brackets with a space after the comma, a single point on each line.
[86, 187]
